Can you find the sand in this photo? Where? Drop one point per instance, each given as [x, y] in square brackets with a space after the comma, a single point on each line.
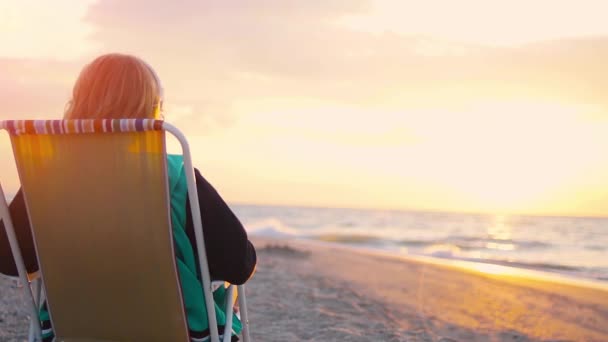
[13, 312]
[304, 291]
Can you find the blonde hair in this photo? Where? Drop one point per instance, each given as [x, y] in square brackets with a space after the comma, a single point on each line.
[116, 86]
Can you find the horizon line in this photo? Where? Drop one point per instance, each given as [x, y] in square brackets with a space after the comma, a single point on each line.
[423, 210]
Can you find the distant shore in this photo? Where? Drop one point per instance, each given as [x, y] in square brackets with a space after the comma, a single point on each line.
[313, 292]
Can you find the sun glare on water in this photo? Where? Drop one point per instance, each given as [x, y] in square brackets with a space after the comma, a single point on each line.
[494, 269]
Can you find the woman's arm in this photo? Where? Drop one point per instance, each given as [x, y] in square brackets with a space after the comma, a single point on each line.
[230, 255]
[21, 224]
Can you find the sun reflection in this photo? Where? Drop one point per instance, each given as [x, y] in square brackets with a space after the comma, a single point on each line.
[500, 230]
[500, 246]
[492, 269]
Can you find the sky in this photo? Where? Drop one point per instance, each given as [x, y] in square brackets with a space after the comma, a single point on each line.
[470, 105]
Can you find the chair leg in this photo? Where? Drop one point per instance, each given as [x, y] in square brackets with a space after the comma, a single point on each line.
[12, 239]
[38, 292]
[31, 334]
[37, 283]
[243, 311]
[229, 310]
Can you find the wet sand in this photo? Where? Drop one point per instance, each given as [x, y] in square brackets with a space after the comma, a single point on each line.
[331, 293]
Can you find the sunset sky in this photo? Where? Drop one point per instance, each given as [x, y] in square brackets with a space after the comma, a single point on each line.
[470, 105]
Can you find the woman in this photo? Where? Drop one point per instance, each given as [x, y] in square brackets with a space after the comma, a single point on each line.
[123, 86]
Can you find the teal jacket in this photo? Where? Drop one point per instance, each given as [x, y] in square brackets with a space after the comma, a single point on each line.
[192, 289]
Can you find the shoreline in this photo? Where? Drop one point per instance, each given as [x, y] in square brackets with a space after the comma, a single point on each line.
[487, 268]
[429, 301]
[545, 244]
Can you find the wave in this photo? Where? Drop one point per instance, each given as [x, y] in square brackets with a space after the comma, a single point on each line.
[453, 245]
[347, 238]
[595, 273]
[271, 227]
[478, 249]
[595, 247]
[538, 265]
[476, 243]
[443, 250]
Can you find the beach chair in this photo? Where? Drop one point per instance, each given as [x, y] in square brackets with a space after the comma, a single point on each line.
[97, 197]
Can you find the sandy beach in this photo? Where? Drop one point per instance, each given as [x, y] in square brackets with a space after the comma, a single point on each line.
[312, 292]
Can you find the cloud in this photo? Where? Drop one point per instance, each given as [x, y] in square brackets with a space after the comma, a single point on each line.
[491, 22]
[286, 88]
[215, 56]
[229, 51]
[44, 29]
[31, 88]
[213, 53]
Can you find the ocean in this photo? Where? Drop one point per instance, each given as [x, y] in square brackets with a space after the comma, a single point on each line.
[569, 246]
